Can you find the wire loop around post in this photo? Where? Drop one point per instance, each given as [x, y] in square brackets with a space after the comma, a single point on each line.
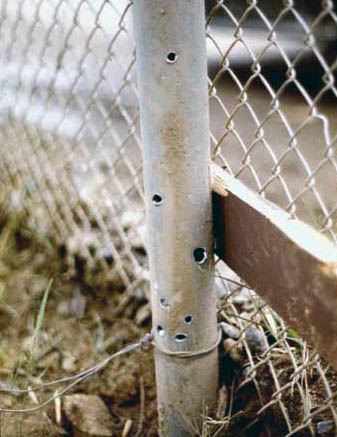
[190, 354]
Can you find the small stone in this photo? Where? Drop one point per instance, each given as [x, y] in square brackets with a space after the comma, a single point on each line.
[75, 307]
[69, 362]
[220, 288]
[246, 371]
[88, 414]
[77, 304]
[50, 361]
[230, 330]
[143, 315]
[234, 350]
[63, 308]
[326, 428]
[243, 296]
[255, 340]
[140, 294]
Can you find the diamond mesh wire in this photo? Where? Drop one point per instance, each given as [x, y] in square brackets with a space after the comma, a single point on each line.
[69, 127]
[70, 160]
[275, 90]
[273, 125]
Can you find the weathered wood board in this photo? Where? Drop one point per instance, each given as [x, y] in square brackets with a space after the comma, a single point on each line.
[291, 266]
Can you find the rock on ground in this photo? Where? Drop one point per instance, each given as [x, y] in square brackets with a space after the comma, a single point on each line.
[88, 414]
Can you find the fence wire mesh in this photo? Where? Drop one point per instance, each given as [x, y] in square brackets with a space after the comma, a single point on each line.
[70, 158]
[69, 126]
[277, 130]
[273, 125]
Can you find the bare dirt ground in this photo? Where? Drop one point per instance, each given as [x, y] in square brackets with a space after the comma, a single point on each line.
[86, 319]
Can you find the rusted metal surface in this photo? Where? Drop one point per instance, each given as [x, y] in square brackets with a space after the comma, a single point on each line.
[170, 44]
[291, 266]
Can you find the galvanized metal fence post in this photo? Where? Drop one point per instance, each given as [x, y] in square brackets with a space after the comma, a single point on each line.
[172, 75]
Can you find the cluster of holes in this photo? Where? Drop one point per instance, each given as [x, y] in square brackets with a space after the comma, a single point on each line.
[199, 254]
[180, 337]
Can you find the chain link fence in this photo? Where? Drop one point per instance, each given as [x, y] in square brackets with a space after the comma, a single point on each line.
[273, 98]
[69, 122]
[70, 160]
[273, 125]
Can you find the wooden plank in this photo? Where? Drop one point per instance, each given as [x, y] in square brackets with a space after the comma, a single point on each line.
[291, 266]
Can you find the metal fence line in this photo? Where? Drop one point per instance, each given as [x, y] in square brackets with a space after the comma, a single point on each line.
[70, 154]
[256, 144]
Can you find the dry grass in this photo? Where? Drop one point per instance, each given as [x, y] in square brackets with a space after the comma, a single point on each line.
[57, 321]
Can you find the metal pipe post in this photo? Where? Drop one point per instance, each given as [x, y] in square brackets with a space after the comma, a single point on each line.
[172, 75]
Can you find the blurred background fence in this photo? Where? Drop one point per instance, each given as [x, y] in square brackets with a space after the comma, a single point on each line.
[71, 149]
[70, 162]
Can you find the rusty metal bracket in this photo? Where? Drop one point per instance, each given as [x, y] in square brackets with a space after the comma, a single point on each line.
[292, 266]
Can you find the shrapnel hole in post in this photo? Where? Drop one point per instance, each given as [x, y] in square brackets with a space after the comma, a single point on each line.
[180, 337]
[188, 319]
[171, 57]
[161, 331]
[157, 199]
[163, 303]
[200, 255]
